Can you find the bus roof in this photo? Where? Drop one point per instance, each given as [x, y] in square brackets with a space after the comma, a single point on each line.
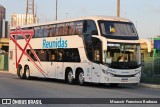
[109, 18]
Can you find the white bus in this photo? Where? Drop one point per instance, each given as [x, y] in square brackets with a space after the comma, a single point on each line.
[96, 49]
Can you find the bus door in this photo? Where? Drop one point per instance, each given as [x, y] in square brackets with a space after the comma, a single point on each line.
[96, 49]
[96, 72]
[52, 63]
[52, 69]
[59, 64]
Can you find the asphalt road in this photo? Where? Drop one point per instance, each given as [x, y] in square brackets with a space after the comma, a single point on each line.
[13, 87]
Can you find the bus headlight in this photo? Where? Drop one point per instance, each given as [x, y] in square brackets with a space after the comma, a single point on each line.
[107, 73]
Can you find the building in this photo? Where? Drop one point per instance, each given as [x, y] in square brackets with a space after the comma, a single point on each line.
[2, 21]
[3, 30]
[20, 19]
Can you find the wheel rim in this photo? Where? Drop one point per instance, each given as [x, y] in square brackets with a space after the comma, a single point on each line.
[27, 73]
[70, 77]
[21, 72]
[81, 78]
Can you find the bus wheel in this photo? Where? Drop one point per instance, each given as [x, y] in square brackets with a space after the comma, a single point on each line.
[81, 78]
[69, 76]
[27, 73]
[20, 72]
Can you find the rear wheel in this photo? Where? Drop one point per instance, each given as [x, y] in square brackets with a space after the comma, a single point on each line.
[81, 78]
[27, 73]
[20, 72]
[69, 77]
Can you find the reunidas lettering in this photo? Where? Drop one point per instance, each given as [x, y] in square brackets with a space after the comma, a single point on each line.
[58, 43]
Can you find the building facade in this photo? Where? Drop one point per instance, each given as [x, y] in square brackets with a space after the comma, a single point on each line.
[20, 19]
[2, 21]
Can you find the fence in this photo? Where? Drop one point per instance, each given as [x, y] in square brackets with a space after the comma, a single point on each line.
[151, 71]
[4, 62]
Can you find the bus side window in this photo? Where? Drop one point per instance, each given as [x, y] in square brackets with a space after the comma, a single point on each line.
[57, 30]
[52, 54]
[31, 55]
[46, 31]
[90, 28]
[71, 55]
[71, 28]
[42, 54]
[36, 32]
[41, 32]
[66, 30]
[79, 28]
[52, 31]
[60, 55]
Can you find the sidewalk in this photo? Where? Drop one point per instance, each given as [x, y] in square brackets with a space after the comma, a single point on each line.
[1, 71]
[149, 85]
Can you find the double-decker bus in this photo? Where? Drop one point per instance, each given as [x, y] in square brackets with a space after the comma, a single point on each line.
[96, 49]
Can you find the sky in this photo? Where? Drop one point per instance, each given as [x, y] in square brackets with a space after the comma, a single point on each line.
[145, 14]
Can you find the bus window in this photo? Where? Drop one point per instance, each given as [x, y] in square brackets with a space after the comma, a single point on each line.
[52, 30]
[60, 29]
[60, 55]
[65, 30]
[79, 28]
[71, 28]
[39, 32]
[46, 31]
[71, 55]
[42, 54]
[52, 53]
[90, 27]
[31, 55]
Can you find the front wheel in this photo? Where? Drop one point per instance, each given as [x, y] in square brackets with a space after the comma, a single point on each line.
[81, 78]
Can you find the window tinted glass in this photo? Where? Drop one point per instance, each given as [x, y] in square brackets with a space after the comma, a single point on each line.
[71, 55]
[79, 28]
[117, 28]
[52, 30]
[90, 27]
[71, 28]
[52, 53]
[46, 31]
[59, 55]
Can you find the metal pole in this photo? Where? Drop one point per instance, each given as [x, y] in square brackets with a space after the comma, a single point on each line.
[56, 9]
[26, 12]
[118, 8]
[33, 11]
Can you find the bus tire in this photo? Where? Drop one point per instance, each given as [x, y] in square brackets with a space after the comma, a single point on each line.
[20, 72]
[80, 77]
[69, 76]
[27, 72]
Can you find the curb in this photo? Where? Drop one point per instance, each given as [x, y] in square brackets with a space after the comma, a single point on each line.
[149, 85]
[4, 71]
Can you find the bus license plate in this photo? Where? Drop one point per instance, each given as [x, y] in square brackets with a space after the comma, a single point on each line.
[124, 80]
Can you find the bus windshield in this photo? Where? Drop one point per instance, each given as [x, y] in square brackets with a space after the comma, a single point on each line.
[123, 56]
[115, 28]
